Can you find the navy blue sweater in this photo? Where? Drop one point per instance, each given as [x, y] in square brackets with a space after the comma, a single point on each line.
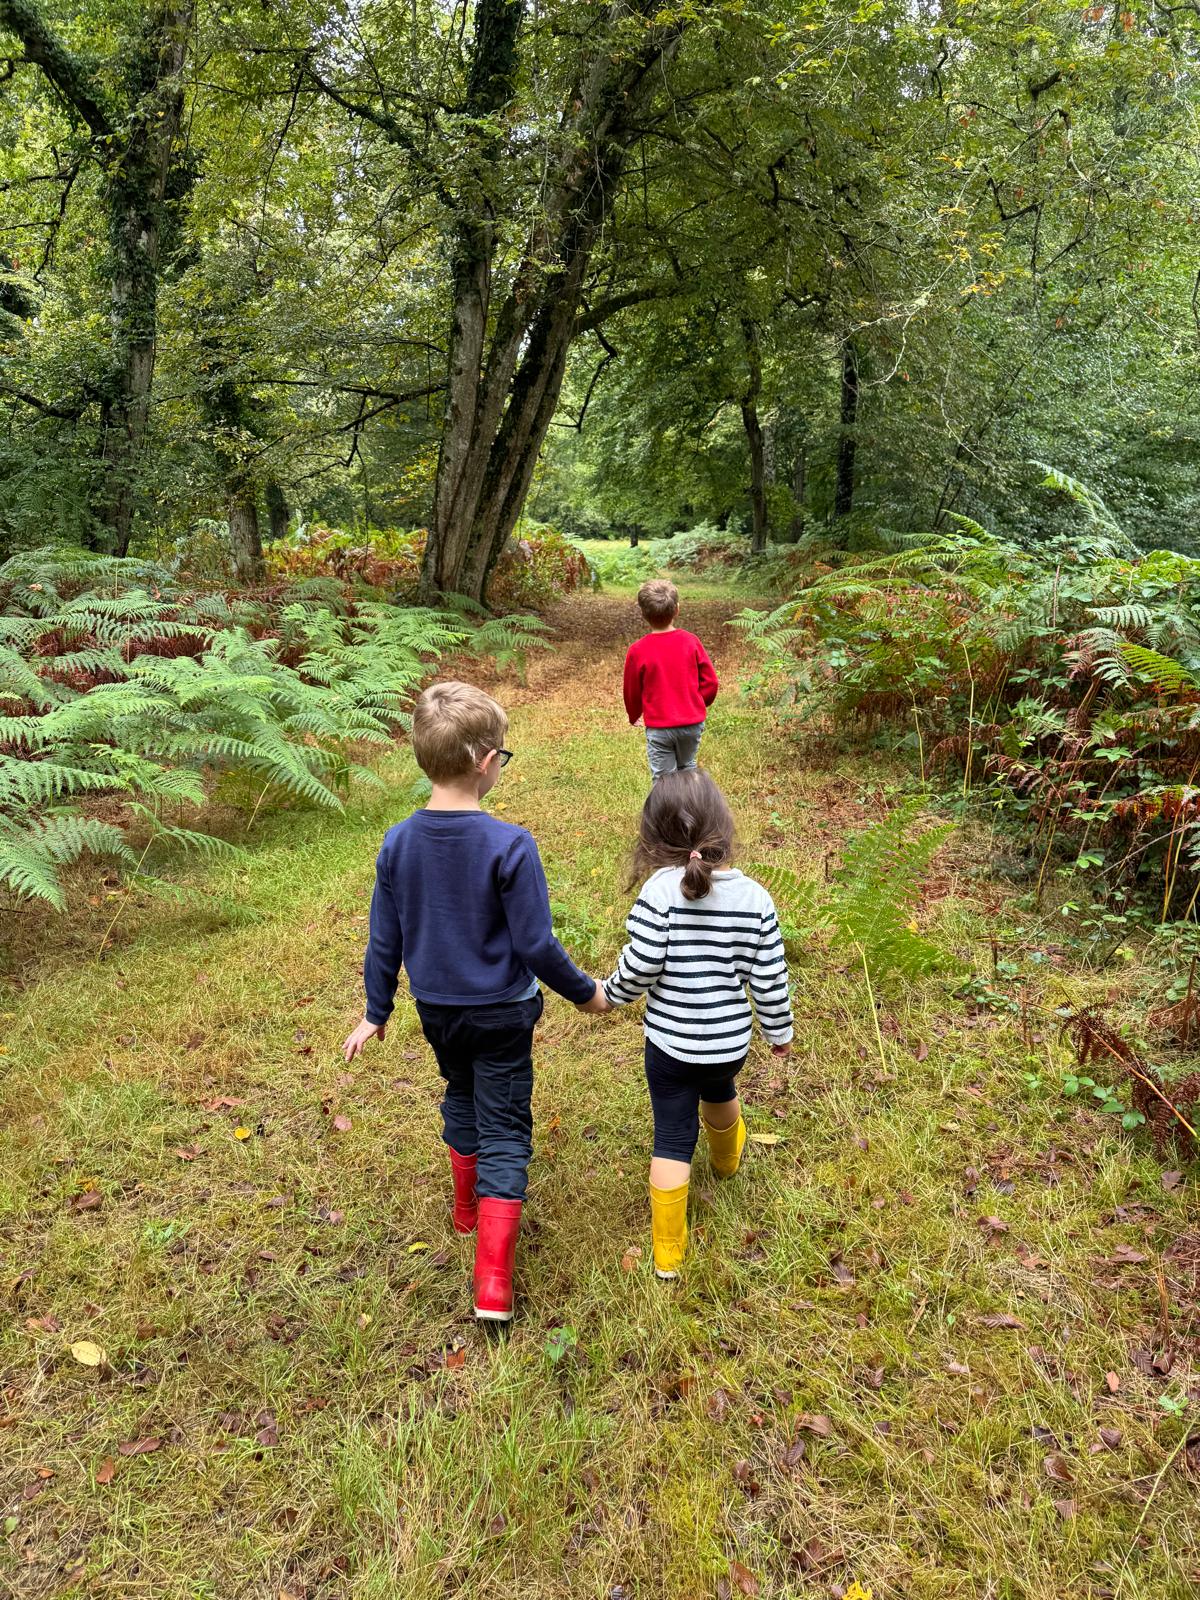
[460, 900]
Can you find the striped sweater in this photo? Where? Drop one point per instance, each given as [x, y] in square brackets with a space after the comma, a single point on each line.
[693, 960]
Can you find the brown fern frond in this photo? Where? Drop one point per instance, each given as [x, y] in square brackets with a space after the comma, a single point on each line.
[1096, 1041]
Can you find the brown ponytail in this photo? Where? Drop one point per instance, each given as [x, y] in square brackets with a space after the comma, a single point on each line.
[685, 823]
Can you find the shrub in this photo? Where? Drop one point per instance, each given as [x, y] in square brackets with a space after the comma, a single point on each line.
[533, 569]
[117, 683]
[1064, 675]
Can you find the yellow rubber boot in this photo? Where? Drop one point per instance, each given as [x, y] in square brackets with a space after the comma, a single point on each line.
[668, 1224]
[725, 1146]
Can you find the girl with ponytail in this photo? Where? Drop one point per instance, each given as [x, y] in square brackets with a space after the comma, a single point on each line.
[700, 935]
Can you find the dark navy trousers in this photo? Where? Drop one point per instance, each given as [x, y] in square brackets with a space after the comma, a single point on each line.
[485, 1054]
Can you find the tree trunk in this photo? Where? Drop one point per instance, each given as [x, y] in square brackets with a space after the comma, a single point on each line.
[136, 192]
[134, 136]
[502, 390]
[244, 536]
[754, 437]
[633, 538]
[795, 530]
[843, 499]
[277, 510]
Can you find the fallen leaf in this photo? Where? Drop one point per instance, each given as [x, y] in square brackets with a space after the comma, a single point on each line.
[743, 1577]
[1056, 1467]
[1113, 1382]
[631, 1256]
[921, 1051]
[413, 1249]
[242, 1132]
[223, 1102]
[88, 1354]
[1111, 1437]
[1124, 1256]
[1065, 1509]
[766, 1138]
[841, 1271]
[993, 1225]
[89, 1200]
[139, 1447]
[820, 1425]
[958, 1369]
[43, 1325]
[105, 1471]
[342, 1123]
[1000, 1319]
[456, 1358]
[1172, 1180]
[497, 1525]
[186, 1152]
[718, 1405]
[795, 1453]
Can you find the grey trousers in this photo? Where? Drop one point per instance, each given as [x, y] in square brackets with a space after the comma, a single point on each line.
[673, 749]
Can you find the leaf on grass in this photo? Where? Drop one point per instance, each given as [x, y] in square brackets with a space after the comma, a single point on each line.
[456, 1358]
[1112, 1381]
[1057, 1468]
[1125, 1256]
[820, 1425]
[921, 1051]
[1111, 1437]
[223, 1102]
[999, 1319]
[186, 1152]
[993, 1225]
[497, 1525]
[718, 1405]
[795, 1453]
[958, 1368]
[841, 1271]
[88, 1354]
[746, 1581]
[43, 1325]
[89, 1200]
[1172, 1180]
[241, 1132]
[631, 1257]
[106, 1470]
[342, 1123]
[416, 1248]
[139, 1447]
[1065, 1509]
[766, 1138]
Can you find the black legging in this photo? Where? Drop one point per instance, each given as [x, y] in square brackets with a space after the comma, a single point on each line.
[676, 1090]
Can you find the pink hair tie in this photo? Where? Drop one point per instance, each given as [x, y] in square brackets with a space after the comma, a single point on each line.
[695, 856]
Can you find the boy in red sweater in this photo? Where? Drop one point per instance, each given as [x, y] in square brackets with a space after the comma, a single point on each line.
[669, 682]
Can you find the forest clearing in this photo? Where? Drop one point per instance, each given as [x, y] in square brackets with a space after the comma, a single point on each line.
[924, 1344]
[504, 1092]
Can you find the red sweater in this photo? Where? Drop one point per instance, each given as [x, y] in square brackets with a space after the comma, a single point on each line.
[669, 680]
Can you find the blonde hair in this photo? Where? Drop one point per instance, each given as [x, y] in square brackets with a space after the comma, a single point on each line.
[454, 725]
[658, 600]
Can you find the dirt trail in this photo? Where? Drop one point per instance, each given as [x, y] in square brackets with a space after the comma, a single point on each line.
[591, 636]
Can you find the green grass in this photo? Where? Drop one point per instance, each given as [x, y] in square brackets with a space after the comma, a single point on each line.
[303, 1285]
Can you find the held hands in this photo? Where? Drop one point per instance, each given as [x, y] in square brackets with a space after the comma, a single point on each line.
[353, 1046]
[597, 1005]
[782, 1049]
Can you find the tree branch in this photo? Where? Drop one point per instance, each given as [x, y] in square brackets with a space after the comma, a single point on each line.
[63, 69]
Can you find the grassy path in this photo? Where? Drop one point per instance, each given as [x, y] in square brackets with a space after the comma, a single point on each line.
[886, 1363]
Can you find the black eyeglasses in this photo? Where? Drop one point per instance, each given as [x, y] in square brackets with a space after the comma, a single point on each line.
[505, 757]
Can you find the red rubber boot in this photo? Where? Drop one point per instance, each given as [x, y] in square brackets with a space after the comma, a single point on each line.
[495, 1252]
[466, 1208]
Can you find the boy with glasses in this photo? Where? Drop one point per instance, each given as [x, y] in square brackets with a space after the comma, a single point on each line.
[461, 902]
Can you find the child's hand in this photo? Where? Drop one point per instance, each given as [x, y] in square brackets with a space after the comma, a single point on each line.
[353, 1046]
[782, 1049]
[598, 1004]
